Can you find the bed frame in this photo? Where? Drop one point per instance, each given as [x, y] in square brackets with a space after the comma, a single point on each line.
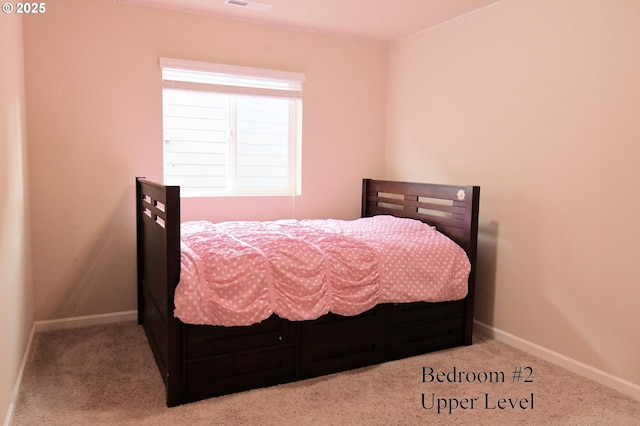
[198, 362]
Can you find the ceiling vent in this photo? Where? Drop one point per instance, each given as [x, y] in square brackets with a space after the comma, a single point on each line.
[248, 4]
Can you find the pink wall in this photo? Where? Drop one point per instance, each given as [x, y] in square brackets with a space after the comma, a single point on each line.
[16, 296]
[94, 108]
[537, 101]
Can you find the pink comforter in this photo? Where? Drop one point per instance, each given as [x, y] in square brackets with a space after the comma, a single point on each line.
[239, 273]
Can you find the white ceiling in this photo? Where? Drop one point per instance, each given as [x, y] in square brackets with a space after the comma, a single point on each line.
[374, 20]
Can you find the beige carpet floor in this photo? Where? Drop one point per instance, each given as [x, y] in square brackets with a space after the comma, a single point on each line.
[106, 375]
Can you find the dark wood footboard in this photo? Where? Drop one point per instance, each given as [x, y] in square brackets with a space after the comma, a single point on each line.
[158, 247]
[198, 362]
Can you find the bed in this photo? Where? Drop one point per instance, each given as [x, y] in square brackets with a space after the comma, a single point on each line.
[203, 361]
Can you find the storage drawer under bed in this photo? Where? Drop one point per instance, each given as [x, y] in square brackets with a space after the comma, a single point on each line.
[235, 373]
[422, 337]
[423, 311]
[337, 343]
[204, 341]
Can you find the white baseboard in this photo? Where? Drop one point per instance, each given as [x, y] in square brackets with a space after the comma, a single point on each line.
[8, 420]
[61, 324]
[602, 377]
[85, 321]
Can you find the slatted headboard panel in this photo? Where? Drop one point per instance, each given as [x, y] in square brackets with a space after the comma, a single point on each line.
[453, 210]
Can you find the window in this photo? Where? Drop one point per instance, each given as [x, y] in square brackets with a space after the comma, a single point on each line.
[231, 130]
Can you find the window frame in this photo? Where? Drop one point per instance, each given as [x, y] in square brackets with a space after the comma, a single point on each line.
[237, 81]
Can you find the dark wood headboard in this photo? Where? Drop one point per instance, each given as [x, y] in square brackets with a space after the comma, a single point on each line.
[453, 210]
